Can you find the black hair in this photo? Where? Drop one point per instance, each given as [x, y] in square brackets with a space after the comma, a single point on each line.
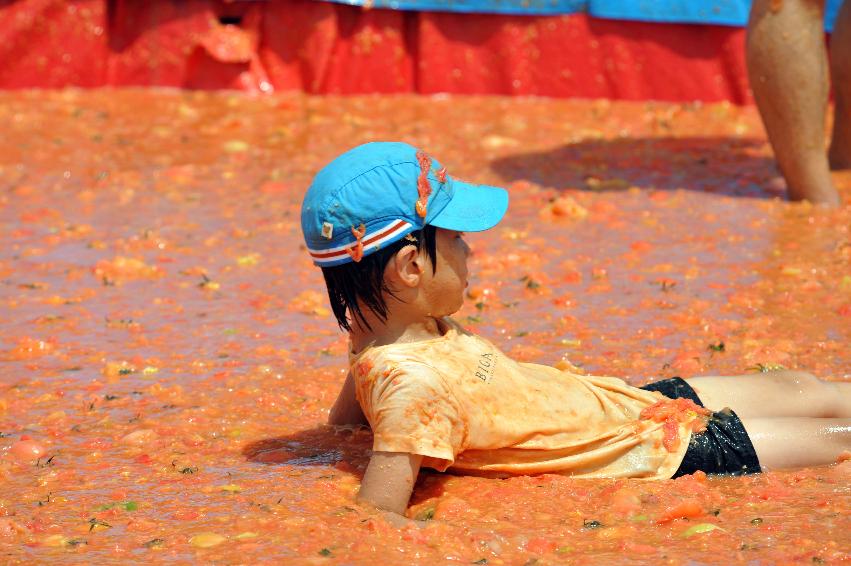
[363, 280]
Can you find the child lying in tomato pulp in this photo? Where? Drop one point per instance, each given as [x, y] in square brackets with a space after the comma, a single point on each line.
[386, 224]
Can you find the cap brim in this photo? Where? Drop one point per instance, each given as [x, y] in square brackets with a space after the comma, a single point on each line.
[473, 208]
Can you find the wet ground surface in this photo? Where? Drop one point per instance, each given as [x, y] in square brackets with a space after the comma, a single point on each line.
[168, 355]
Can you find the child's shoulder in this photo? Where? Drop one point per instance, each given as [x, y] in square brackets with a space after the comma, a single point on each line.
[442, 353]
[394, 370]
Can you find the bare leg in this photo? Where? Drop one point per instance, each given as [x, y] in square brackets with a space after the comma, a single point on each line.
[840, 68]
[798, 442]
[786, 393]
[787, 67]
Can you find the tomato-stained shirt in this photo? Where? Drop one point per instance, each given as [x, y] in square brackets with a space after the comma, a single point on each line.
[461, 403]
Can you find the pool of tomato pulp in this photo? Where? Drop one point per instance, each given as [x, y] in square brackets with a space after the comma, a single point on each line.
[169, 357]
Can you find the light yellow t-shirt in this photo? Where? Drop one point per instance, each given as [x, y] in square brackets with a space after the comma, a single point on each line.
[460, 402]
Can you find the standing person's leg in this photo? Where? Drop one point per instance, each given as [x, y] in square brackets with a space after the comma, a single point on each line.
[840, 70]
[787, 67]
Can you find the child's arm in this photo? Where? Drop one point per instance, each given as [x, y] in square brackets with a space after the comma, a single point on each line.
[346, 410]
[389, 480]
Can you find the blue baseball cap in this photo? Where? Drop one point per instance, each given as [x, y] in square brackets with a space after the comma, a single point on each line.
[377, 193]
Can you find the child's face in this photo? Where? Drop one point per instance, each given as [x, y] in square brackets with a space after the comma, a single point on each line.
[444, 288]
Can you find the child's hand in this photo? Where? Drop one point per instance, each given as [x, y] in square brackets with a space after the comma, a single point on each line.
[389, 481]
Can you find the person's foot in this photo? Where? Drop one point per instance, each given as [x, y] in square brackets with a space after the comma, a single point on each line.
[826, 197]
[823, 194]
[809, 179]
[776, 186]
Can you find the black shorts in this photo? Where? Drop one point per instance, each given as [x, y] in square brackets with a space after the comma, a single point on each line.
[723, 448]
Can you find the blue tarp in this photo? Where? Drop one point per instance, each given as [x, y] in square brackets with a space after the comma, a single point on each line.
[722, 12]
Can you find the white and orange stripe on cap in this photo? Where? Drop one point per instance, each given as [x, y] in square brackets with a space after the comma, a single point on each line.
[390, 232]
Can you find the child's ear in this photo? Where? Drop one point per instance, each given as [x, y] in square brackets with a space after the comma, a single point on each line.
[407, 266]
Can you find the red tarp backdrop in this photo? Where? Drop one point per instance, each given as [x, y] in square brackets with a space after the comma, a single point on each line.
[319, 47]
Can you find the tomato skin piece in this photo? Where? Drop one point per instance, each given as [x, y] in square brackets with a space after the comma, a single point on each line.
[27, 450]
[185, 515]
[141, 437]
[687, 509]
[626, 501]
[641, 246]
[671, 440]
[143, 459]
[118, 495]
